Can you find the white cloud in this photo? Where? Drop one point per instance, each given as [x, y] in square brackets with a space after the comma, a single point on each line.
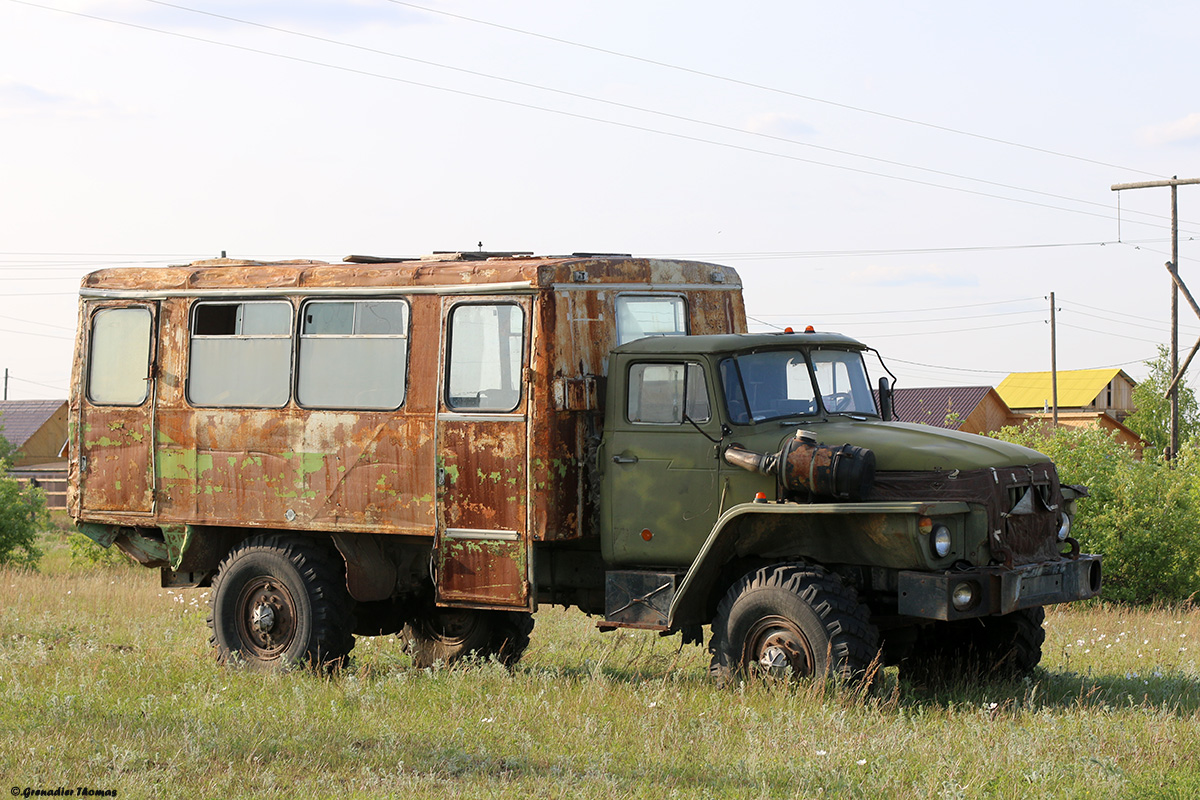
[18, 99]
[777, 124]
[1186, 129]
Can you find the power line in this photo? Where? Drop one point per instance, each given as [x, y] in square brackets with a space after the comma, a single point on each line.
[640, 109]
[750, 84]
[570, 114]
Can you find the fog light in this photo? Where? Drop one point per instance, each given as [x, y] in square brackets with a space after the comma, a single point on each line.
[941, 541]
[963, 596]
[1065, 530]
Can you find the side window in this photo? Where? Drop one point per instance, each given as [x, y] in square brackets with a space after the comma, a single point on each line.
[353, 354]
[241, 354]
[487, 349]
[119, 363]
[641, 315]
[661, 394]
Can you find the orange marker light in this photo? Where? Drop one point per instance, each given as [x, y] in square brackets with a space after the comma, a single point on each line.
[760, 497]
[925, 524]
[788, 329]
[810, 329]
[647, 535]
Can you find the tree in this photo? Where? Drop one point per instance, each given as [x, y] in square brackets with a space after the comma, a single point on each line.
[1152, 419]
[22, 515]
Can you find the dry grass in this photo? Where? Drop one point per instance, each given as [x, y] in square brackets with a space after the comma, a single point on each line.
[107, 681]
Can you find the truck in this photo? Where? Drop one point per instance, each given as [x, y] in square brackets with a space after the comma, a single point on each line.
[435, 447]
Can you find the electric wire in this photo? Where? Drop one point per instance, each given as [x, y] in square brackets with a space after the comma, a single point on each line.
[640, 109]
[775, 90]
[568, 114]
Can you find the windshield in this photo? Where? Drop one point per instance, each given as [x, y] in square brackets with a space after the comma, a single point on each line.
[777, 383]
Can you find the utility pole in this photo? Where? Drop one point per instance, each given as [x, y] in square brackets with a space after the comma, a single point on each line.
[1053, 362]
[6, 383]
[1174, 183]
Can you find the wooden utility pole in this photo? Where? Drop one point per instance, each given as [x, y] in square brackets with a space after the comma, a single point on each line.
[1174, 183]
[1053, 362]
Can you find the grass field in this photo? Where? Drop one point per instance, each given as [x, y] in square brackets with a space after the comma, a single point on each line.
[107, 682]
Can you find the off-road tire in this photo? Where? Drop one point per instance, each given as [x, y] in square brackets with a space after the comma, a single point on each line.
[999, 648]
[448, 635]
[792, 619]
[279, 601]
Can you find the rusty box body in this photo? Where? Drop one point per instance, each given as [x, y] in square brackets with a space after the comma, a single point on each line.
[444, 404]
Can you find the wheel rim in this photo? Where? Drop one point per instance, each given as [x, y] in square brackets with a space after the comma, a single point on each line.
[266, 617]
[453, 627]
[776, 646]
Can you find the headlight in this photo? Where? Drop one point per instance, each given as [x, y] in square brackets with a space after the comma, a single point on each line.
[940, 541]
[963, 596]
[1065, 530]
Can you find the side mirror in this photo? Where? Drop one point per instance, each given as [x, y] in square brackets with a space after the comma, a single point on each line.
[885, 399]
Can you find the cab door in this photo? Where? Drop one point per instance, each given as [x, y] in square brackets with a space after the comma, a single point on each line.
[661, 492]
[116, 427]
[482, 540]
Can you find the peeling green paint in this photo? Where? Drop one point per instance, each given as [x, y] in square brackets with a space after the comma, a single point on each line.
[178, 538]
[164, 437]
[452, 473]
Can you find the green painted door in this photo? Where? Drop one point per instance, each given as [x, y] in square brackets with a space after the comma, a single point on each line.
[661, 489]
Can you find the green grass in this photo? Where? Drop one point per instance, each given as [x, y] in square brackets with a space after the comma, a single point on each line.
[107, 681]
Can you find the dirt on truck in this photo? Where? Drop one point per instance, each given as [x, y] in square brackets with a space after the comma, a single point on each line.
[435, 446]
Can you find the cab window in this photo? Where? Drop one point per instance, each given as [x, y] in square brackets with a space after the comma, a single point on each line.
[667, 394]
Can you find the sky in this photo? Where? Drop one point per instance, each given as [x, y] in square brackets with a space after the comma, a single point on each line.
[920, 176]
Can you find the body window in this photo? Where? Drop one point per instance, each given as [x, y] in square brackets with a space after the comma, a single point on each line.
[639, 316]
[487, 348]
[662, 394]
[353, 354]
[119, 363]
[241, 354]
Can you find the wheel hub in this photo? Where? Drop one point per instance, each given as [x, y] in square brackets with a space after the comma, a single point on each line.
[779, 648]
[266, 617]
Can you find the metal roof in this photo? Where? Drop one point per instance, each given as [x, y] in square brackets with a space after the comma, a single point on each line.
[931, 406]
[1077, 388]
[21, 419]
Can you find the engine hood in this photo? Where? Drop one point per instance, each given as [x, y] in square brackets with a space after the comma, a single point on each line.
[901, 446]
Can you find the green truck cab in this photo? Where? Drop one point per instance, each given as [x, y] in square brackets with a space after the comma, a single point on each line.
[751, 481]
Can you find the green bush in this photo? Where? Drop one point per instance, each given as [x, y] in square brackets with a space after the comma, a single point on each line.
[1142, 516]
[85, 552]
[22, 514]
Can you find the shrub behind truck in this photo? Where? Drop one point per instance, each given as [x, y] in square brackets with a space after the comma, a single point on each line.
[436, 446]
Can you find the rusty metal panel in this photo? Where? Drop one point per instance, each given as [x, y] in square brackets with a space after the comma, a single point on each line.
[116, 446]
[483, 571]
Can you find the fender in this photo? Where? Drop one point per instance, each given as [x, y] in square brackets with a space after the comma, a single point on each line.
[880, 534]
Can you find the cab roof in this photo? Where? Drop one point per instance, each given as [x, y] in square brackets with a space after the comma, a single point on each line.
[729, 342]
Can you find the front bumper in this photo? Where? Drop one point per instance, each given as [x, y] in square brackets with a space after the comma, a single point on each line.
[999, 589]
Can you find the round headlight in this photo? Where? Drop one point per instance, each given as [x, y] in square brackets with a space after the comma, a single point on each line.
[1065, 530]
[940, 540]
[963, 595]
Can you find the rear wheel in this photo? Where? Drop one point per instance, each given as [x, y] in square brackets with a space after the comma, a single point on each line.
[792, 620]
[279, 601]
[1008, 646]
[451, 634]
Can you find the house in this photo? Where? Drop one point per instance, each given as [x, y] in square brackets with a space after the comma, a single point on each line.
[970, 409]
[38, 430]
[1091, 391]
[1087, 398]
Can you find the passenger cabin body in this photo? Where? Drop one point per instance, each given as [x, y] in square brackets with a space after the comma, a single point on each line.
[445, 405]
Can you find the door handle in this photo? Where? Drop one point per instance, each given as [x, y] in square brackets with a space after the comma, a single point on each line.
[624, 459]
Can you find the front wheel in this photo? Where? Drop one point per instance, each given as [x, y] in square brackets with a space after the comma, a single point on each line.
[1008, 646]
[448, 635]
[279, 601]
[792, 620]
